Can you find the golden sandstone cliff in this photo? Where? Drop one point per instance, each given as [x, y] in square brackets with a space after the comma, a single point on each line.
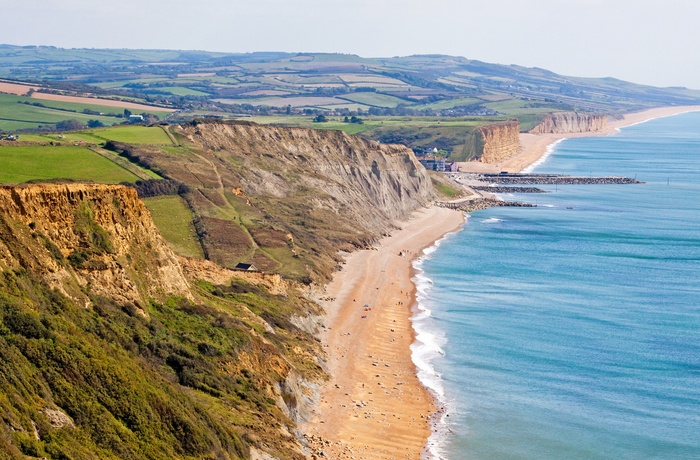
[500, 141]
[94, 238]
[571, 122]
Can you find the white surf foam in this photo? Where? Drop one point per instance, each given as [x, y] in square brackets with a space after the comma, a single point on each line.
[550, 149]
[427, 347]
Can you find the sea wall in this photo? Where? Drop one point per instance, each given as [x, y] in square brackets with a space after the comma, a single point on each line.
[500, 141]
[571, 122]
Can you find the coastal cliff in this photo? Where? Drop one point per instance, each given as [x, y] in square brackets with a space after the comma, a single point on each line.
[355, 174]
[500, 141]
[570, 122]
[95, 228]
[113, 347]
[289, 199]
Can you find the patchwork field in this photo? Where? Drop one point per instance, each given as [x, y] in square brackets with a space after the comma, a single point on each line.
[102, 102]
[309, 101]
[375, 99]
[20, 112]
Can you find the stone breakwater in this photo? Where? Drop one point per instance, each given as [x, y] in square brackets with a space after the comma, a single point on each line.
[482, 203]
[499, 189]
[551, 179]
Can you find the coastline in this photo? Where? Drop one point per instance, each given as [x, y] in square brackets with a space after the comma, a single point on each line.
[535, 146]
[374, 406]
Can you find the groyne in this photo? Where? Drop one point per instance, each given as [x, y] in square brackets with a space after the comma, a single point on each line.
[478, 204]
[551, 179]
[499, 189]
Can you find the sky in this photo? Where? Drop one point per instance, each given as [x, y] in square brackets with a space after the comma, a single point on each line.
[650, 42]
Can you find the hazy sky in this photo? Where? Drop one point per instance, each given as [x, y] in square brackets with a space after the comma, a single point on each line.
[645, 41]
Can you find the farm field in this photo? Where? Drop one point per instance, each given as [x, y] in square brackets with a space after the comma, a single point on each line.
[93, 101]
[182, 91]
[71, 102]
[129, 134]
[17, 112]
[17, 90]
[22, 163]
[309, 101]
[374, 99]
[452, 103]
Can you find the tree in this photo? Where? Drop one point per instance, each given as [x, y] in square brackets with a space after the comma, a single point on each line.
[320, 119]
[127, 113]
[95, 124]
[69, 125]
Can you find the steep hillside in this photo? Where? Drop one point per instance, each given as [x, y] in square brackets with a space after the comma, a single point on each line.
[288, 199]
[108, 351]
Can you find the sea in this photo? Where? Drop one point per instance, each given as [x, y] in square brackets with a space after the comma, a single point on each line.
[572, 330]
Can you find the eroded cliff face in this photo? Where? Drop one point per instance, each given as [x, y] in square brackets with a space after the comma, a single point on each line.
[353, 173]
[501, 141]
[88, 238]
[571, 122]
[289, 199]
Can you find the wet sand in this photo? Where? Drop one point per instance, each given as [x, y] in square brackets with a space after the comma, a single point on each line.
[374, 406]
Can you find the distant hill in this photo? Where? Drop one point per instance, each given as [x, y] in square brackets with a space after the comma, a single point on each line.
[273, 82]
[425, 102]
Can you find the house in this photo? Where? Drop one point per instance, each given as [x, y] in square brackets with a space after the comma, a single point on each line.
[136, 119]
[433, 163]
[245, 267]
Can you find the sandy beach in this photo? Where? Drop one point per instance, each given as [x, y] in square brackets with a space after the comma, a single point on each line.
[533, 146]
[374, 406]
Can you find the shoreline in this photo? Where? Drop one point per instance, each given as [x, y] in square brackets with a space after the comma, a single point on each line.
[535, 147]
[374, 405]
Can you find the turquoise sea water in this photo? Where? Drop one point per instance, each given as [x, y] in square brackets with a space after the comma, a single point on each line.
[572, 330]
